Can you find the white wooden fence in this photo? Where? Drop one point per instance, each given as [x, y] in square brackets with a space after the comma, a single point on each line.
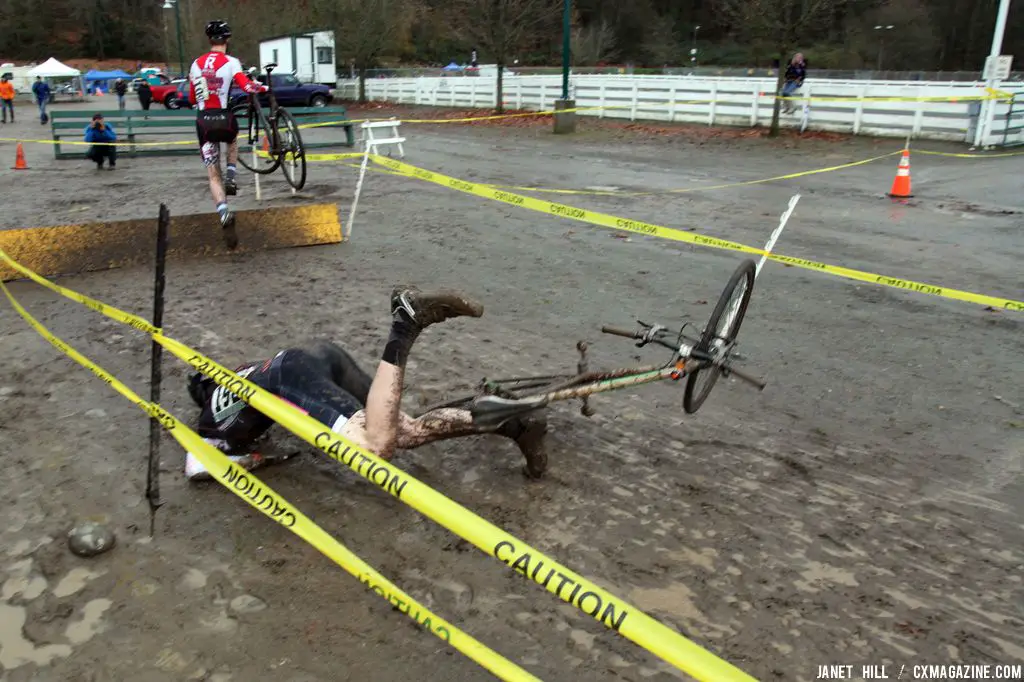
[834, 105]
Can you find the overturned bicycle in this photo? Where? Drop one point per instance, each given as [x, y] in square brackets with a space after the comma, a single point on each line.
[701, 359]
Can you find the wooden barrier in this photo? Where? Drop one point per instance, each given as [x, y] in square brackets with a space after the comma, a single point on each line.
[66, 249]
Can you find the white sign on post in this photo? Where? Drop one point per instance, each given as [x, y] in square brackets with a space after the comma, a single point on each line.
[997, 68]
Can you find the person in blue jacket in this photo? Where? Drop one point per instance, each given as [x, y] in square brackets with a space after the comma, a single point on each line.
[98, 132]
[41, 90]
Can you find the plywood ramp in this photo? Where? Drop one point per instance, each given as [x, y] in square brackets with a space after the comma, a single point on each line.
[66, 249]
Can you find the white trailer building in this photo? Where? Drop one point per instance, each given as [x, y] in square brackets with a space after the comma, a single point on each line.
[310, 56]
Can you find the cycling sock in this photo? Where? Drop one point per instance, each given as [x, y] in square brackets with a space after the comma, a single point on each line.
[232, 169]
[400, 340]
[222, 208]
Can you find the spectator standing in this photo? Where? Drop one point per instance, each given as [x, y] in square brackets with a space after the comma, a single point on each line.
[121, 88]
[795, 74]
[145, 94]
[7, 98]
[41, 91]
[100, 135]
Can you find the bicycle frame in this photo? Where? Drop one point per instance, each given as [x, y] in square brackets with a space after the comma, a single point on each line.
[256, 113]
[585, 384]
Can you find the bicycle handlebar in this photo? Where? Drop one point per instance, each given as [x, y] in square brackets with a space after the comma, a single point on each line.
[615, 331]
[641, 335]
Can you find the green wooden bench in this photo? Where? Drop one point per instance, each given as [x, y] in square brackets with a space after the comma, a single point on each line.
[325, 115]
[137, 126]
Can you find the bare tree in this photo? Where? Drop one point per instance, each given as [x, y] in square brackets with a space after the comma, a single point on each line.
[779, 25]
[365, 29]
[502, 27]
[593, 43]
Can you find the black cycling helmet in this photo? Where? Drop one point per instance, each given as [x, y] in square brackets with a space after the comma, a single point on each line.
[218, 30]
[200, 387]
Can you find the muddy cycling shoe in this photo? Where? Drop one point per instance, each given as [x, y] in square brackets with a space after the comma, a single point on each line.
[528, 433]
[425, 309]
[230, 187]
[227, 223]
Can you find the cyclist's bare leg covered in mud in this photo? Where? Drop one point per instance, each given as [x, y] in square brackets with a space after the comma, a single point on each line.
[325, 382]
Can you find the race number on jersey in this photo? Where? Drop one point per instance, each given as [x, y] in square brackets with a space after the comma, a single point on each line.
[224, 404]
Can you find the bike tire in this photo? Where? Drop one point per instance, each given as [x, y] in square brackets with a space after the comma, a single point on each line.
[253, 123]
[696, 392]
[293, 153]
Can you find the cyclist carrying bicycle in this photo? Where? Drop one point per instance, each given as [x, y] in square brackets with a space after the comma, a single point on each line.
[210, 79]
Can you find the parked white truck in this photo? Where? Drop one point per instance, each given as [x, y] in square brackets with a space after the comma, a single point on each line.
[310, 56]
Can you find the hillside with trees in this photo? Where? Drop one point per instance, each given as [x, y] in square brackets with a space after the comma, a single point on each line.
[927, 35]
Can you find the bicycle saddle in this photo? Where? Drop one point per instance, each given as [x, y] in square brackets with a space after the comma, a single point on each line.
[492, 410]
[270, 67]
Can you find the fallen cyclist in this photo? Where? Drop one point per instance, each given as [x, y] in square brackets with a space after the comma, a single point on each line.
[324, 381]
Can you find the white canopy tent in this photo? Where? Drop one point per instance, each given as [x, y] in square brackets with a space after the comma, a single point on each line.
[52, 68]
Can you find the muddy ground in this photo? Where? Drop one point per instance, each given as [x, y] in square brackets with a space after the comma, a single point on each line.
[864, 509]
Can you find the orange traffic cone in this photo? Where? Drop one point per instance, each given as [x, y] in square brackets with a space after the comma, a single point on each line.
[266, 145]
[19, 159]
[901, 185]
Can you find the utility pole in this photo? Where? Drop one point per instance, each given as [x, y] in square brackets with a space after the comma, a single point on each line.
[988, 111]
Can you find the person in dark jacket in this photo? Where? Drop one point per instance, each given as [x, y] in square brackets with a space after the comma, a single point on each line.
[97, 133]
[41, 91]
[145, 94]
[795, 74]
[121, 88]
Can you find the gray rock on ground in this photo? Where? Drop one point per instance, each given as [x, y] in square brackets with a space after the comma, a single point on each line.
[90, 539]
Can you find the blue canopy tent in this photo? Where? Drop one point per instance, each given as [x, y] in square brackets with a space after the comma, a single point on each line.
[104, 80]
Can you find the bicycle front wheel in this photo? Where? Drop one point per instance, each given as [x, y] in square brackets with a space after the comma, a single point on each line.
[292, 153]
[720, 332]
[254, 129]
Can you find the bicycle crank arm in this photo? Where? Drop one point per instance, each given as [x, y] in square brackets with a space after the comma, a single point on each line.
[752, 380]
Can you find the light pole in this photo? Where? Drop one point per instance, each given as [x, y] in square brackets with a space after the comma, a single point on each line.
[881, 43]
[565, 112]
[693, 49]
[566, 47]
[168, 4]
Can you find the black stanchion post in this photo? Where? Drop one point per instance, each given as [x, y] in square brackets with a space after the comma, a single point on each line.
[153, 473]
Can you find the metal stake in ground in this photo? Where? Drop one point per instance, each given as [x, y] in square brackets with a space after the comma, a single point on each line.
[156, 353]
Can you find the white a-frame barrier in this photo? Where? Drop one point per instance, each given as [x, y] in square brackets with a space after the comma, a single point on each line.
[372, 144]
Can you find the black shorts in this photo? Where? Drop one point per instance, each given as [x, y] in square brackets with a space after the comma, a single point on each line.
[211, 137]
[321, 379]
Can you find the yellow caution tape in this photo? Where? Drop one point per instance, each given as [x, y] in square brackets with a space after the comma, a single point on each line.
[333, 157]
[684, 190]
[567, 585]
[260, 496]
[97, 144]
[495, 117]
[1001, 94]
[616, 223]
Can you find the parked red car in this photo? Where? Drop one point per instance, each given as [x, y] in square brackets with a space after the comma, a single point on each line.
[166, 94]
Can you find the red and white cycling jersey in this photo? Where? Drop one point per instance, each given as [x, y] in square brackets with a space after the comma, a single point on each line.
[210, 80]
